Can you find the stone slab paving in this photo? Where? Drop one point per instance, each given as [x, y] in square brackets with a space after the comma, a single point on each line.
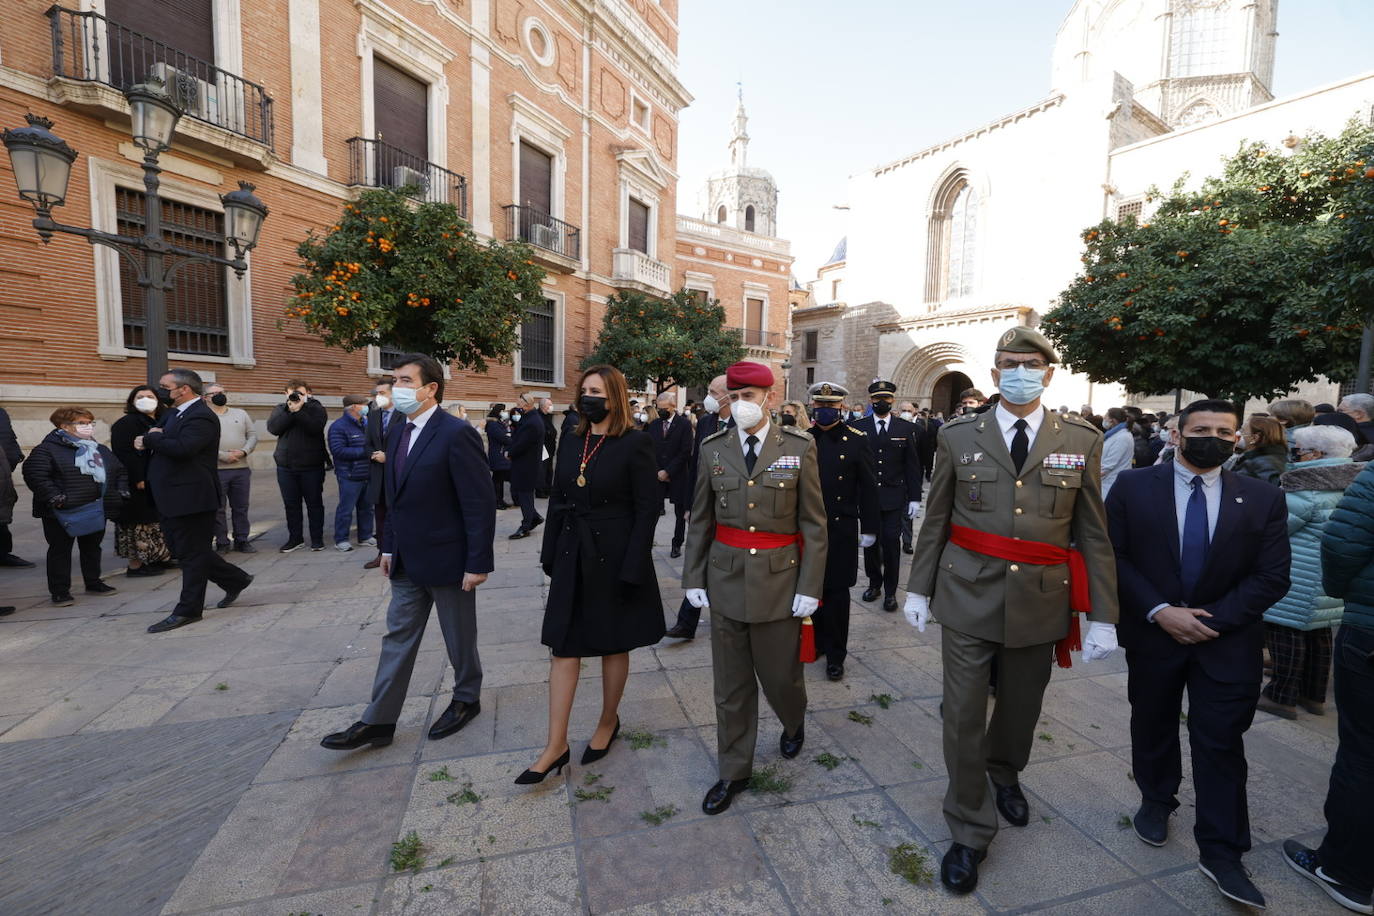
[182, 773]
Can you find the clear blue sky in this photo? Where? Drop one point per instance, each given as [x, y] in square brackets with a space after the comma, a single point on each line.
[829, 95]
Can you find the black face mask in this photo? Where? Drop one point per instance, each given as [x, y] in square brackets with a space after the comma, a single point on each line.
[827, 416]
[219, 399]
[594, 409]
[788, 420]
[165, 396]
[1207, 452]
[664, 414]
[882, 408]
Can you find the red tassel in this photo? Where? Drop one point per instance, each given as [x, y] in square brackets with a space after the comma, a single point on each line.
[1073, 642]
[808, 641]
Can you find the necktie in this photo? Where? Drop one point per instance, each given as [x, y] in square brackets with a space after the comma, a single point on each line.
[882, 428]
[402, 452]
[1196, 540]
[1020, 445]
[750, 456]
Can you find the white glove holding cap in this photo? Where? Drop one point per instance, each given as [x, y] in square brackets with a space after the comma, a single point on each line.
[917, 611]
[696, 597]
[1099, 642]
[867, 540]
[911, 508]
[803, 606]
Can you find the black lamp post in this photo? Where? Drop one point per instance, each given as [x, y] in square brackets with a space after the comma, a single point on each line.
[42, 164]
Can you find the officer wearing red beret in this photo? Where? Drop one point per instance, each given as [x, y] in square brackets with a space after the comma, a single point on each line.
[755, 555]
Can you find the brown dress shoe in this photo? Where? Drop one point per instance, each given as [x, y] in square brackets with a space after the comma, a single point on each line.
[374, 562]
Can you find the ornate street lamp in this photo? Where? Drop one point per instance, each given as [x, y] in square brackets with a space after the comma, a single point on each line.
[42, 165]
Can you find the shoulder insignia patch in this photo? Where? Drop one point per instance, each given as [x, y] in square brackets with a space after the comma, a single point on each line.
[796, 431]
[717, 434]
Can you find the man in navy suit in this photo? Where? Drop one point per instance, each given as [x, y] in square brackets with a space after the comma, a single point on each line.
[672, 435]
[896, 453]
[1201, 554]
[526, 463]
[183, 476]
[436, 549]
[715, 417]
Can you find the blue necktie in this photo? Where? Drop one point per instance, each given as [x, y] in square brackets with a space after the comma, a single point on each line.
[403, 452]
[1196, 540]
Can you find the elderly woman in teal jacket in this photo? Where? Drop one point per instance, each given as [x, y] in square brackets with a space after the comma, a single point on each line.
[1298, 627]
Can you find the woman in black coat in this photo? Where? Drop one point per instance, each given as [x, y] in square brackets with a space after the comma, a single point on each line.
[68, 470]
[498, 440]
[138, 533]
[604, 598]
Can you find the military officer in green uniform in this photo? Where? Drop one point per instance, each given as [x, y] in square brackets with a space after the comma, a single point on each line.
[1013, 542]
[755, 556]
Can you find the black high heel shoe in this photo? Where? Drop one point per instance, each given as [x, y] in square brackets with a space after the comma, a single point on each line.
[592, 755]
[530, 777]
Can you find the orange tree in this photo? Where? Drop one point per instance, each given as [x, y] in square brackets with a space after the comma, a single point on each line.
[1262, 278]
[680, 340]
[413, 276]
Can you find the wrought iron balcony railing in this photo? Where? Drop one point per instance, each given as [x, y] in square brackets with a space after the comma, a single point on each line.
[88, 47]
[755, 338]
[526, 224]
[375, 164]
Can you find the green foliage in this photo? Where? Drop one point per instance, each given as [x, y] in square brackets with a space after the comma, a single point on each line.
[657, 816]
[884, 700]
[464, 796]
[863, 822]
[861, 718]
[600, 793]
[641, 738]
[909, 861]
[441, 775]
[1262, 278]
[828, 760]
[408, 853]
[679, 340]
[769, 779]
[415, 277]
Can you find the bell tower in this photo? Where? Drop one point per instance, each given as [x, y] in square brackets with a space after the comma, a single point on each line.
[742, 197]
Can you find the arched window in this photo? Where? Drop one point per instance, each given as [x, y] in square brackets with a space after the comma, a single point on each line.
[720, 214]
[1199, 44]
[749, 218]
[952, 246]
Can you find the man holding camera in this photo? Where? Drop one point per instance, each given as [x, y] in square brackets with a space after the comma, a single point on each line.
[298, 423]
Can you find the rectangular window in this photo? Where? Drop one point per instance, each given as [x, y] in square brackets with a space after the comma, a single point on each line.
[1200, 41]
[640, 114]
[753, 316]
[810, 375]
[197, 306]
[400, 109]
[700, 295]
[639, 226]
[388, 356]
[835, 290]
[536, 343]
[186, 31]
[812, 344]
[536, 179]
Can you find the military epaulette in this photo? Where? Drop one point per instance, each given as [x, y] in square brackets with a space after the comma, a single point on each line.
[966, 418]
[796, 431]
[1079, 421]
[716, 435]
[857, 432]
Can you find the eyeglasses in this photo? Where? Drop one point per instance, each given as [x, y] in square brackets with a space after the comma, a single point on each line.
[1032, 364]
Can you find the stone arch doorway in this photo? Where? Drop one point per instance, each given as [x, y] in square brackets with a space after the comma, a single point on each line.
[944, 397]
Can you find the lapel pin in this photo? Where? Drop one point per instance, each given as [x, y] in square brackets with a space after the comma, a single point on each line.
[1240, 499]
[965, 458]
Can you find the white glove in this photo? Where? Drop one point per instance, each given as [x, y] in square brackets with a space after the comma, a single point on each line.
[1100, 641]
[803, 606]
[696, 597]
[867, 540]
[911, 508]
[917, 611]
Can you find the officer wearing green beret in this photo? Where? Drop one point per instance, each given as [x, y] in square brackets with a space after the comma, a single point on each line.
[1014, 541]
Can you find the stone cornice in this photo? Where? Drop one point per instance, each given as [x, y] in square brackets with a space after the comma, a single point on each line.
[1044, 105]
[947, 318]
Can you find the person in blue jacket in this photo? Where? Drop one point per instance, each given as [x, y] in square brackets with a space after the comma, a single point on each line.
[352, 469]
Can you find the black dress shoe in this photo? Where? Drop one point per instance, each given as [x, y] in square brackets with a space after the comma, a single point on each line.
[7, 610]
[171, 622]
[1012, 803]
[147, 569]
[519, 533]
[231, 595]
[718, 797]
[889, 604]
[245, 547]
[10, 561]
[871, 593]
[791, 747]
[454, 718]
[834, 672]
[1151, 823]
[100, 588]
[358, 734]
[1233, 881]
[680, 632]
[531, 777]
[676, 551]
[538, 520]
[959, 868]
[593, 754]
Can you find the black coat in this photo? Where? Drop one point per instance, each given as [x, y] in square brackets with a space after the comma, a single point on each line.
[597, 549]
[498, 441]
[850, 484]
[527, 453]
[300, 436]
[50, 471]
[140, 510]
[550, 434]
[673, 453]
[183, 472]
[9, 443]
[376, 442]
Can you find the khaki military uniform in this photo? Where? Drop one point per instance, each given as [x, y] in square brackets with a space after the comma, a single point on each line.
[992, 608]
[753, 632]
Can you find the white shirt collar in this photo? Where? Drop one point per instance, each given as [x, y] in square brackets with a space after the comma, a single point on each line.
[1184, 477]
[422, 419]
[762, 435]
[1006, 420]
[181, 408]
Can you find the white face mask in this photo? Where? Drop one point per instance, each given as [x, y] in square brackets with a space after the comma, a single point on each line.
[145, 405]
[505, 415]
[640, 418]
[711, 404]
[906, 415]
[383, 402]
[85, 430]
[747, 414]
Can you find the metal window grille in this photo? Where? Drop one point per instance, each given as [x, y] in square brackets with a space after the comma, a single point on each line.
[537, 343]
[1129, 208]
[812, 344]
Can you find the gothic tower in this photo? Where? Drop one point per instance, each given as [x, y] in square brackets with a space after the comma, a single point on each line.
[739, 196]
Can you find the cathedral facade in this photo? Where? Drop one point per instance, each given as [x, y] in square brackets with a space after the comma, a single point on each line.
[949, 246]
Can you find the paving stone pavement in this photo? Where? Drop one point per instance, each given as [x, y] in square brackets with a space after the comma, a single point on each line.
[182, 773]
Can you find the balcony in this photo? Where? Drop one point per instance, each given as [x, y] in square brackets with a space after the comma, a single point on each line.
[95, 60]
[374, 164]
[633, 269]
[750, 337]
[555, 242]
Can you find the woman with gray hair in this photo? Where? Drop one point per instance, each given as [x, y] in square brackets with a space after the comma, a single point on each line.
[1297, 630]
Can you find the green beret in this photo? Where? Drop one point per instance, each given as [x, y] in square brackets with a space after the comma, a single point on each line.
[1022, 339]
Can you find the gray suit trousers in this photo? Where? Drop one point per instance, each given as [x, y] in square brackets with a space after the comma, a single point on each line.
[405, 626]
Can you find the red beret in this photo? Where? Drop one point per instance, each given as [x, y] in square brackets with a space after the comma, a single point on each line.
[746, 374]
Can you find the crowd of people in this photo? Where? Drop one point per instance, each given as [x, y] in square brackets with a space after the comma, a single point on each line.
[1221, 551]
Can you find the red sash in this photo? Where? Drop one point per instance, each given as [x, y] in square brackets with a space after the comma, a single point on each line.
[762, 540]
[1037, 554]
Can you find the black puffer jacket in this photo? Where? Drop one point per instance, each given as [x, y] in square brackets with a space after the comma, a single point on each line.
[50, 471]
[300, 436]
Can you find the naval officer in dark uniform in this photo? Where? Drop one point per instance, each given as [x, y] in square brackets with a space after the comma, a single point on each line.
[850, 487]
[893, 442]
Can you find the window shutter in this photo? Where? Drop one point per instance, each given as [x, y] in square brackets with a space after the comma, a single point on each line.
[639, 226]
[400, 105]
[536, 179]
